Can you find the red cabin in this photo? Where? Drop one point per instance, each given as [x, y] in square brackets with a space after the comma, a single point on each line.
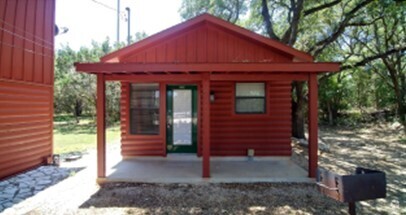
[26, 84]
[206, 87]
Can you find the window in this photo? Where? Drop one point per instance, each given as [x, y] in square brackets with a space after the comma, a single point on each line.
[250, 98]
[144, 109]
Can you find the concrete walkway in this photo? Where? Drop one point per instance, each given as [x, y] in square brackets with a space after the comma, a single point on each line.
[188, 169]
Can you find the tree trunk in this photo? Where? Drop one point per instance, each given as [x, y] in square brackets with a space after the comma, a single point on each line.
[403, 100]
[401, 109]
[394, 75]
[376, 94]
[78, 109]
[330, 114]
[298, 130]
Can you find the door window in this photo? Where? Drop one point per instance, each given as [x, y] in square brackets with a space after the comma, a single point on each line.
[182, 117]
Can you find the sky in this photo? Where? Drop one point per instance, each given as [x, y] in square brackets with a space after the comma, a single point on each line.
[88, 20]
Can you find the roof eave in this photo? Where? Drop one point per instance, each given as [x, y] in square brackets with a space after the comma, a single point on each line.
[298, 67]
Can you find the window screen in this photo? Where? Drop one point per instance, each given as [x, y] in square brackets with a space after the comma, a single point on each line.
[144, 107]
[250, 98]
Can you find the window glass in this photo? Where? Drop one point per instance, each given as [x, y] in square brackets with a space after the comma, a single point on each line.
[250, 98]
[144, 108]
[250, 89]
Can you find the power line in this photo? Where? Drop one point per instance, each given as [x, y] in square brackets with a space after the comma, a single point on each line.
[122, 13]
[24, 38]
[25, 32]
[27, 50]
[108, 7]
[104, 5]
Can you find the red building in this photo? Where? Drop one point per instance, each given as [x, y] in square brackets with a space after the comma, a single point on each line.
[206, 87]
[26, 83]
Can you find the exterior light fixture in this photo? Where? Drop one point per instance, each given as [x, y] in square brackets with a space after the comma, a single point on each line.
[60, 30]
[212, 98]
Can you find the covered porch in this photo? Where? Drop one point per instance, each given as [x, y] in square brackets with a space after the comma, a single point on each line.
[205, 74]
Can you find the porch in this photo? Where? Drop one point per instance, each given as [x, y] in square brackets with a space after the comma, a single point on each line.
[207, 165]
[187, 169]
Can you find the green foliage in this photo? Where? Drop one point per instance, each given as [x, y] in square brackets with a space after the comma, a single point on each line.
[112, 102]
[336, 95]
[74, 92]
[363, 80]
[140, 36]
[63, 118]
[229, 10]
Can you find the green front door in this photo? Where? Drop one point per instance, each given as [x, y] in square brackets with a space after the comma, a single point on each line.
[181, 115]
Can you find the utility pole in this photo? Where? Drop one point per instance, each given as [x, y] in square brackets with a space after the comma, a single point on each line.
[128, 22]
[118, 21]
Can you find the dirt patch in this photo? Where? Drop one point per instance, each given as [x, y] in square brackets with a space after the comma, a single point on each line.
[260, 198]
[371, 146]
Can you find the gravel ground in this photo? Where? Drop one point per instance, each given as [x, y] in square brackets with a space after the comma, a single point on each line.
[260, 198]
[374, 147]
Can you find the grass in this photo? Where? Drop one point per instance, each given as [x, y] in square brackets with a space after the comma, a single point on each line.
[70, 136]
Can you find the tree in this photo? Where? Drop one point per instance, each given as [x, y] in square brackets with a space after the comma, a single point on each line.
[226, 9]
[395, 64]
[335, 94]
[75, 92]
[390, 34]
[378, 46]
[71, 95]
[320, 28]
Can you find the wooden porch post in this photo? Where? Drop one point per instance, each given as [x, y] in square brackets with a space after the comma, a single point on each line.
[101, 128]
[313, 128]
[206, 124]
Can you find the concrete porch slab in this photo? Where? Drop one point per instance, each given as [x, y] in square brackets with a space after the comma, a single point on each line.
[188, 169]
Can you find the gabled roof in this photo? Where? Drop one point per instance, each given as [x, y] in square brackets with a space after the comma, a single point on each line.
[296, 54]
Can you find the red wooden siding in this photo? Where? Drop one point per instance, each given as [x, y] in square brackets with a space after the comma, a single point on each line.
[231, 134]
[267, 134]
[26, 48]
[206, 43]
[26, 83]
[25, 126]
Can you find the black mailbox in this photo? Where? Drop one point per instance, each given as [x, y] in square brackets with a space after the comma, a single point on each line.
[364, 185]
